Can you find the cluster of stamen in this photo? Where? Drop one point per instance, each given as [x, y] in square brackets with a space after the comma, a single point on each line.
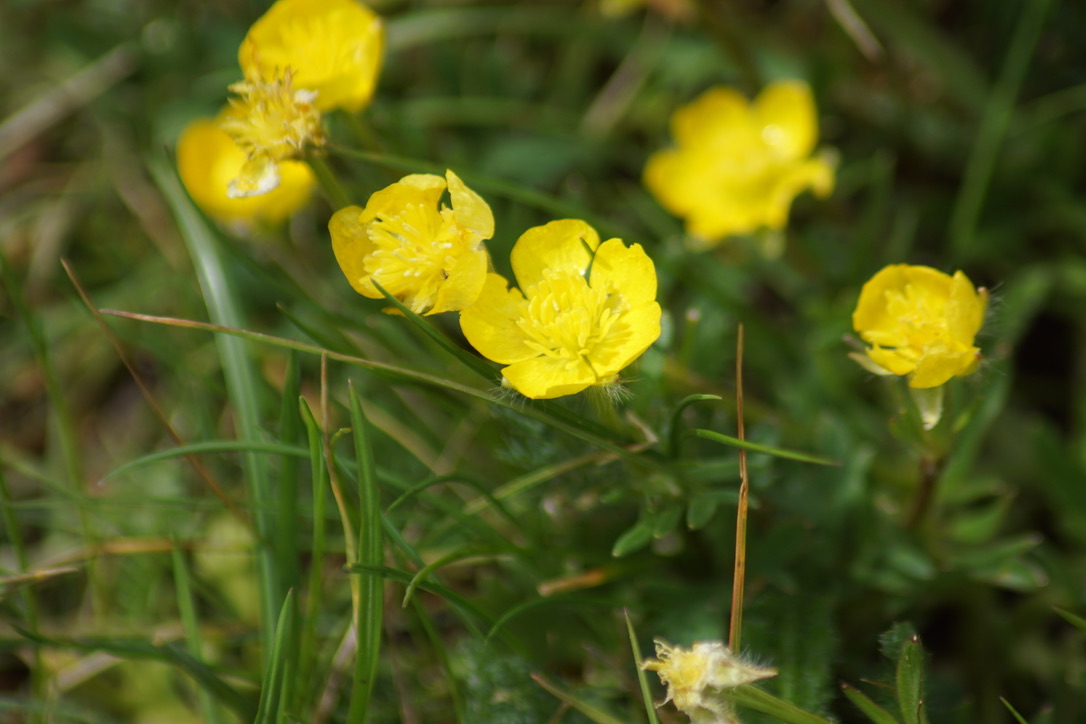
[565, 319]
[413, 253]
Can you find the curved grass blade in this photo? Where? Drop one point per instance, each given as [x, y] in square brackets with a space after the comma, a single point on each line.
[759, 700]
[279, 676]
[675, 428]
[863, 702]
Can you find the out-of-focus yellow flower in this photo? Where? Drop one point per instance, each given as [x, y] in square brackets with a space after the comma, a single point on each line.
[430, 257]
[208, 160]
[695, 677]
[334, 47]
[584, 311]
[270, 122]
[737, 166]
[920, 322]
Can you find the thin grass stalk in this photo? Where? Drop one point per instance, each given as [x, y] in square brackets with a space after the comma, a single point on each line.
[740, 569]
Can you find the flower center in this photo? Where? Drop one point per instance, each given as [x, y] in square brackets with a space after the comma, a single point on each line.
[566, 319]
[414, 251]
[920, 319]
[273, 118]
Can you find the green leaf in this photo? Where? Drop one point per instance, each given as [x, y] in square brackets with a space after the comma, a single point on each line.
[910, 681]
[635, 538]
[874, 712]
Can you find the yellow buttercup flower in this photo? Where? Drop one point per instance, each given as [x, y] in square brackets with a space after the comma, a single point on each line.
[920, 322]
[208, 160]
[695, 677]
[334, 47]
[270, 122]
[584, 311]
[430, 257]
[737, 166]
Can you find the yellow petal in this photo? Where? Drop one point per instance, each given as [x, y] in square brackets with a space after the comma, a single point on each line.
[890, 359]
[490, 324]
[351, 245]
[787, 119]
[560, 246]
[335, 47]
[544, 378]
[422, 189]
[627, 340]
[965, 309]
[720, 117]
[472, 212]
[464, 284]
[627, 271]
[208, 160]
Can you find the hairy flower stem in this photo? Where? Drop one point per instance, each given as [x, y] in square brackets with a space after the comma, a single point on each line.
[740, 568]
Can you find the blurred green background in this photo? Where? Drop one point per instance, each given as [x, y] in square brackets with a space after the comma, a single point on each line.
[961, 137]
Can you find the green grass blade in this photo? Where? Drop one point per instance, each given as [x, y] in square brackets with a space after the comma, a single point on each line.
[549, 414]
[274, 691]
[994, 122]
[308, 643]
[286, 541]
[241, 378]
[1076, 621]
[191, 623]
[763, 701]
[370, 553]
[873, 711]
[476, 364]
[169, 653]
[642, 680]
[1017, 717]
[593, 713]
[755, 447]
[675, 427]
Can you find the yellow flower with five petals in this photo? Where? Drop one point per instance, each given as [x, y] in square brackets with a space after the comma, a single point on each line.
[584, 311]
[920, 322]
[429, 257]
[208, 160]
[333, 47]
[737, 166]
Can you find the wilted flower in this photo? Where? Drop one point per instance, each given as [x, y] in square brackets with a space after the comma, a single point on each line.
[919, 322]
[428, 256]
[738, 165]
[333, 47]
[584, 311]
[695, 678]
[208, 160]
[271, 122]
